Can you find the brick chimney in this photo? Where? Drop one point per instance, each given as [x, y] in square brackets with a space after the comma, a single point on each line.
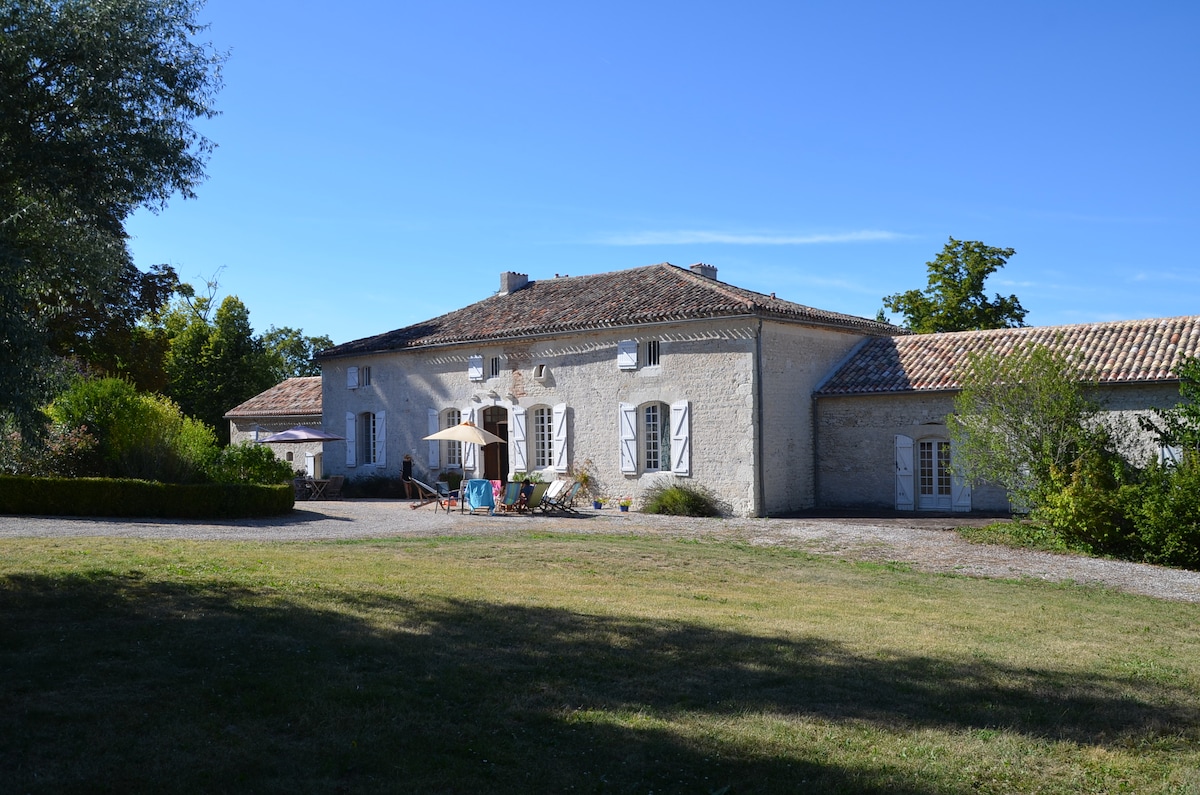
[707, 271]
[511, 282]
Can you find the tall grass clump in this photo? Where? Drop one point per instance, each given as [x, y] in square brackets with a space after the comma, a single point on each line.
[680, 499]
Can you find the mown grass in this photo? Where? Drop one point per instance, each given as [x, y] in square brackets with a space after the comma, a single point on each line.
[558, 663]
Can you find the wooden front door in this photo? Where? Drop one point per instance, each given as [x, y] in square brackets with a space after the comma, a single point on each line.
[495, 455]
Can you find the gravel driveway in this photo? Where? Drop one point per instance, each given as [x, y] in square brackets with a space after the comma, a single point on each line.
[924, 543]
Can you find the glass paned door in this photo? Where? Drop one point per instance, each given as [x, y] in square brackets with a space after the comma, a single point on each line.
[933, 476]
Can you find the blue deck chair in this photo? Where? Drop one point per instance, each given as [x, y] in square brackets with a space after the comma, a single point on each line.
[477, 495]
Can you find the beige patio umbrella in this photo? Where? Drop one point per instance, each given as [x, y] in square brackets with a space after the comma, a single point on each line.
[465, 432]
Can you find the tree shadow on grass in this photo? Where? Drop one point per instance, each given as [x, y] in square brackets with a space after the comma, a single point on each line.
[117, 683]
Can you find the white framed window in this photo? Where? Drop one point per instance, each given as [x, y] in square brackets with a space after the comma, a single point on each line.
[494, 367]
[651, 359]
[543, 437]
[367, 438]
[452, 450]
[656, 440]
[655, 437]
[364, 376]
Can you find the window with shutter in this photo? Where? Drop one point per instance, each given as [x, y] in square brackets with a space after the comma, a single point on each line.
[518, 452]
[627, 354]
[681, 443]
[475, 368]
[904, 473]
[627, 430]
[561, 459]
[433, 454]
[351, 378]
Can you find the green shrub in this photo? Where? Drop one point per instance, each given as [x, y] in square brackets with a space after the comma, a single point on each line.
[137, 435]
[249, 463]
[1088, 508]
[1167, 514]
[679, 499]
[141, 498]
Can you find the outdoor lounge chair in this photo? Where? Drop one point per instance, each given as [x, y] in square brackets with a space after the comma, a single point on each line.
[429, 494]
[563, 501]
[477, 495]
[535, 499]
[551, 494]
[512, 494]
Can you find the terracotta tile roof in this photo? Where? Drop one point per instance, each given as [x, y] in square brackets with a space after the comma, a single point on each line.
[1125, 351]
[649, 294]
[291, 398]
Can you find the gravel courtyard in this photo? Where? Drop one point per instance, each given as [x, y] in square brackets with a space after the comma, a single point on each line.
[927, 544]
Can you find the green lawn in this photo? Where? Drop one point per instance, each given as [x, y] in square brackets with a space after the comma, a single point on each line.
[558, 663]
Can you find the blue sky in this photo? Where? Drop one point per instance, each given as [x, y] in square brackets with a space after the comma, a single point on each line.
[382, 164]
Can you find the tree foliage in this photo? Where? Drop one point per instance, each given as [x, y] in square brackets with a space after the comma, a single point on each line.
[97, 103]
[212, 367]
[954, 299]
[1021, 417]
[294, 352]
[1179, 426]
[137, 435]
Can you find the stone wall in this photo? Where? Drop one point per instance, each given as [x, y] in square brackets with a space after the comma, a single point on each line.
[856, 440]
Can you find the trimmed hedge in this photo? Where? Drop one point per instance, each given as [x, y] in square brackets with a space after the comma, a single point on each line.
[140, 498]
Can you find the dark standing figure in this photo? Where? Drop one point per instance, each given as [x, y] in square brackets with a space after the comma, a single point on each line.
[406, 477]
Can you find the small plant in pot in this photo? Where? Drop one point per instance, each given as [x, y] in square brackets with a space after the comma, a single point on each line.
[598, 502]
[624, 503]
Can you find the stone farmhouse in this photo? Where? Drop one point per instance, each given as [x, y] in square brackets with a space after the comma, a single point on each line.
[662, 372]
[295, 401]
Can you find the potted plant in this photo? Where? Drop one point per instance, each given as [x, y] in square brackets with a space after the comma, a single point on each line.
[598, 502]
[624, 503]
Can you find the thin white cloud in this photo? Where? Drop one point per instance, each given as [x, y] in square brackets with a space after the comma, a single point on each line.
[693, 237]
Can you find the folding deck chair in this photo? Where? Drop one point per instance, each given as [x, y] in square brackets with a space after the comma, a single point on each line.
[477, 495]
[564, 502]
[443, 496]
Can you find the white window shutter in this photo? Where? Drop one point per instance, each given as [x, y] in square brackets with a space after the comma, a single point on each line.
[380, 438]
[518, 453]
[351, 432]
[904, 473]
[435, 447]
[475, 368]
[628, 435]
[351, 378]
[627, 354]
[681, 453]
[960, 487]
[469, 450]
[1170, 456]
[561, 459]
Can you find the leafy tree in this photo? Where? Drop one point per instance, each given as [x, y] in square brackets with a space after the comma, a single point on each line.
[954, 299]
[97, 101]
[294, 351]
[213, 367]
[1179, 426]
[1022, 419]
